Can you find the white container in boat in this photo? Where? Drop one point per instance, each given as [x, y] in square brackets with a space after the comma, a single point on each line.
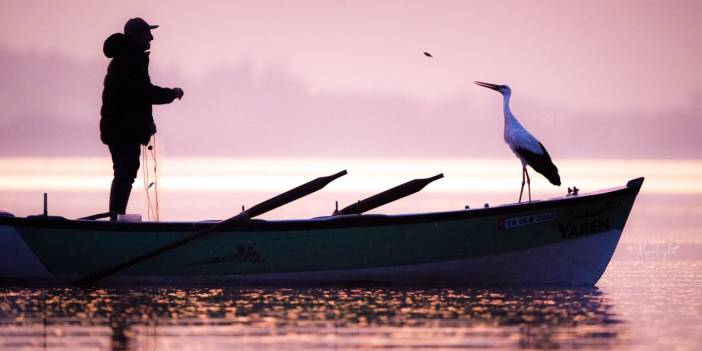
[129, 217]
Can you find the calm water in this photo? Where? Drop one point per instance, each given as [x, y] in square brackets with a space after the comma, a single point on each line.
[639, 305]
[650, 297]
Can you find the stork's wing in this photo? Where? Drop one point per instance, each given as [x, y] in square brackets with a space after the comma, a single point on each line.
[541, 163]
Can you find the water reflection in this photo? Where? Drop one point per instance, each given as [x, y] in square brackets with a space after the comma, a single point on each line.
[309, 318]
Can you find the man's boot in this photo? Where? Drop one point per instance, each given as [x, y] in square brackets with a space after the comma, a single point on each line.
[119, 197]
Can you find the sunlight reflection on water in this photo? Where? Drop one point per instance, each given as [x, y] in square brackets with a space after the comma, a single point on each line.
[639, 305]
[210, 188]
[365, 174]
[315, 318]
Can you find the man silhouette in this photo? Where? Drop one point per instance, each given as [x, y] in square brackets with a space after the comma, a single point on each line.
[126, 120]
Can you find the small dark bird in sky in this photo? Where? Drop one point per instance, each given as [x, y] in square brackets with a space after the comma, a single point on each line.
[427, 54]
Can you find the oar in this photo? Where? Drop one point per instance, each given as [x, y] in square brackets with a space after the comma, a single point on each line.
[96, 216]
[388, 196]
[263, 207]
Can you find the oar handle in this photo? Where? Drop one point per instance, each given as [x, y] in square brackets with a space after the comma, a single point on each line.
[388, 196]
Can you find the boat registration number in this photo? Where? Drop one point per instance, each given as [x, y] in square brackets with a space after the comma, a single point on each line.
[513, 222]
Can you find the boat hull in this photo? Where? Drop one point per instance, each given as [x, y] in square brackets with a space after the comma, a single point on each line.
[563, 241]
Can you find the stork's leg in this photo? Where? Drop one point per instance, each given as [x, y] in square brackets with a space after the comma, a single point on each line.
[522, 190]
[528, 182]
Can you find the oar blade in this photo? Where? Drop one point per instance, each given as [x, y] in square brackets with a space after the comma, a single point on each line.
[388, 196]
[293, 194]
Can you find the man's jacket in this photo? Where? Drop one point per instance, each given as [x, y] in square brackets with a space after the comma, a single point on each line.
[128, 94]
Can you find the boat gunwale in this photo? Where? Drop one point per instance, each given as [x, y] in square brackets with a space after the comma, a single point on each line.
[321, 223]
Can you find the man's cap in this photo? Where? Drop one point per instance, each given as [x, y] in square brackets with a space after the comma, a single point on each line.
[136, 25]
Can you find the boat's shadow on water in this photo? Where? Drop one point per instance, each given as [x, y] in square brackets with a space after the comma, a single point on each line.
[308, 318]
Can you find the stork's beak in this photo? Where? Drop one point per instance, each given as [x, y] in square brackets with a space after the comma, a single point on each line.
[488, 85]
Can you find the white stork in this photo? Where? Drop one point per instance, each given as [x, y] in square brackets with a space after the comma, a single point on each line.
[529, 150]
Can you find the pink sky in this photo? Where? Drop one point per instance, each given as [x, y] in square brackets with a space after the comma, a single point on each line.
[571, 65]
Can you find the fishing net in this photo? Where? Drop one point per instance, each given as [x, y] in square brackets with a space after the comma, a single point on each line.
[149, 155]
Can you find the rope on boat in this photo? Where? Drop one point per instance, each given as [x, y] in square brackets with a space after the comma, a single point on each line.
[151, 203]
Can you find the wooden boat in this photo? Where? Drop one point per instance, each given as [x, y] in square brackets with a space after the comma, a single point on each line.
[566, 240]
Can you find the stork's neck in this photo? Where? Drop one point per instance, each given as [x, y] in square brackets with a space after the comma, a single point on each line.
[509, 117]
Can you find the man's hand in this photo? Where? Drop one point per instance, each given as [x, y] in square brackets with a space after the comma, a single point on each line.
[178, 93]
